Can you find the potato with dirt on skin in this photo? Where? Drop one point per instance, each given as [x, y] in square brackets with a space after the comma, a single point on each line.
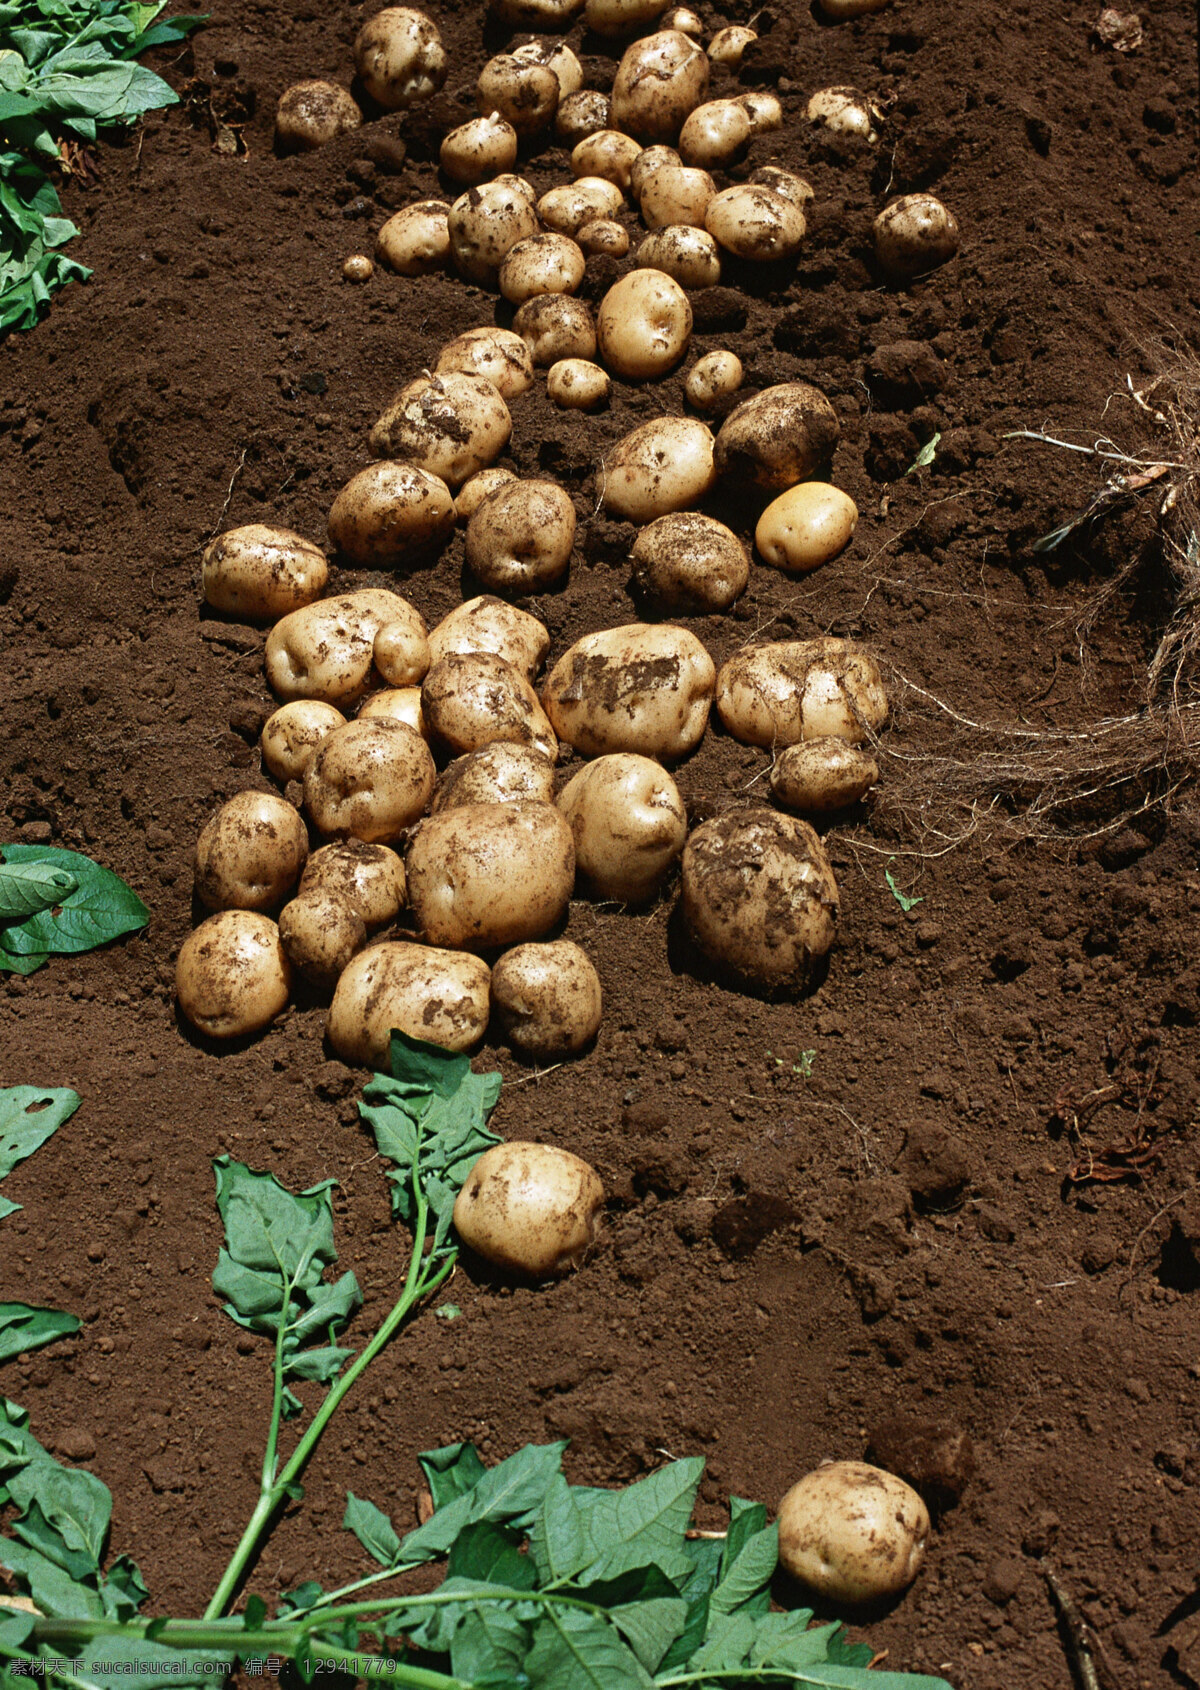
[715, 134]
[690, 563]
[659, 80]
[490, 624]
[312, 113]
[584, 113]
[556, 326]
[449, 425]
[367, 878]
[853, 1533]
[401, 652]
[621, 17]
[369, 780]
[568, 207]
[819, 776]
[232, 975]
[250, 853]
[478, 149]
[319, 935]
[436, 995]
[547, 263]
[575, 384]
[399, 56]
[260, 573]
[482, 875]
[846, 111]
[499, 773]
[524, 93]
[665, 465]
[497, 354]
[416, 240]
[805, 527]
[777, 437]
[476, 488]
[913, 234]
[637, 688]
[674, 195]
[474, 698]
[609, 154]
[520, 538]
[399, 704]
[389, 512]
[759, 897]
[557, 57]
[713, 378]
[547, 998]
[605, 235]
[293, 732]
[646, 161]
[484, 223]
[728, 45]
[755, 223]
[327, 650]
[763, 110]
[629, 825]
[688, 255]
[792, 690]
[785, 183]
[530, 1209]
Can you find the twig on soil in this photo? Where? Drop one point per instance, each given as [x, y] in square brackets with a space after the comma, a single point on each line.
[229, 494]
[1149, 1226]
[1083, 1646]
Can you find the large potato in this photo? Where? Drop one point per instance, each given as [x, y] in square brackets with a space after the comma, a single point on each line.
[805, 527]
[400, 57]
[416, 240]
[821, 775]
[369, 879]
[320, 934]
[250, 853]
[449, 425]
[644, 325]
[472, 700]
[520, 538]
[755, 223]
[484, 224]
[628, 822]
[369, 780]
[499, 355]
[659, 80]
[637, 688]
[489, 624]
[759, 897]
[913, 234]
[232, 976]
[388, 512]
[439, 996]
[793, 690]
[547, 998]
[327, 650]
[664, 465]
[499, 774]
[292, 733]
[260, 572]
[777, 437]
[688, 562]
[529, 1209]
[490, 874]
[852, 1532]
[313, 113]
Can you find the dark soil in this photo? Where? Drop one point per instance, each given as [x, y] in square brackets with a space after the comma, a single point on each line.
[791, 1260]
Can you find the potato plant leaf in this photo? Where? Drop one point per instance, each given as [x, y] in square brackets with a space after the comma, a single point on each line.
[29, 1115]
[101, 907]
[25, 1328]
[26, 888]
[372, 1528]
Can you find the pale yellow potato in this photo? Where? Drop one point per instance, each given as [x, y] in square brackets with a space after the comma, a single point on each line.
[567, 208]
[759, 898]
[479, 149]
[490, 624]
[500, 773]
[690, 563]
[401, 704]
[499, 355]
[754, 222]
[603, 235]
[326, 650]
[629, 825]
[449, 425]
[520, 538]
[415, 241]
[482, 875]
[644, 325]
[620, 17]
[250, 853]
[357, 268]
[840, 10]
[636, 688]
[660, 79]
[763, 110]
[853, 1533]
[674, 194]
[232, 976]
[785, 183]
[547, 998]
[484, 223]
[369, 780]
[608, 154]
[436, 995]
[260, 573]
[665, 465]
[369, 879]
[320, 934]
[646, 161]
[519, 185]
[311, 113]
[292, 733]
[793, 690]
[524, 93]
[399, 56]
[530, 1209]
[822, 775]
[777, 437]
[575, 384]
[682, 17]
[845, 111]
[687, 254]
[401, 651]
[713, 378]
[476, 488]
[554, 326]
[913, 234]
[547, 263]
[473, 699]
[728, 45]
[559, 58]
[581, 114]
[805, 527]
[390, 511]
[715, 134]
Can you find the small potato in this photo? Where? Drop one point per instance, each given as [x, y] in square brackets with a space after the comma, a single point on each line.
[435, 995]
[629, 825]
[261, 573]
[659, 80]
[327, 649]
[713, 379]
[525, 94]
[637, 688]
[763, 110]
[250, 853]
[644, 325]
[369, 780]
[608, 154]
[399, 704]
[293, 732]
[793, 690]
[388, 512]
[845, 111]
[489, 624]
[715, 134]
[577, 385]
[853, 1533]
[541, 264]
[311, 113]
[530, 1209]
[320, 934]
[449, 425]
[357, 268]
[822, 775]
[785, 183]
[232, 976]
[483, 224]
[646, 161]
[559, 58]
[520, 538]
[401, 652]
[499, 355]
[665, 465]
[603, 235]
[777, 437]
[569, 207]
[499, 774]
[474, 699]
[369, 879]
[482, 875]
[675, 194]
[620, 17]
[913, 234]
[416, 240]
[479, 149]
[689, 563]
[399, 56]
[683, 18]
[728, 45]
[580, 115]
[759, 897]
[688, 255]
[754, 223]
[554, 326]
[476, 488]
[805, 527]
[547, 998]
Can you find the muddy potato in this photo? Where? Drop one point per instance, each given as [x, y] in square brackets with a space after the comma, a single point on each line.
[793, 690]
[250, 853]
[525, 94]
[232, 975]
[519, 185]
[559, 58]
[520, 538]
[755, 223]
[713, 378]
[473, 699]
[688, 255]
[777, 437]
[913, 234]
[542, 264]
[581, 114]
[319, 935]
[390, 511]
[728, 45]
[357, 268]
[608, 154]
[530, 1209]
[399, 704]
[416, 240]
[481, 875]
[763, 110]
[645, 161]
[555, 326]
[490, 624]
[759, 897]
[369, 780]
[260, 573]
[401, 651]
[547, 998]
[620, 17]
[436, 995]
[715, 134]
[449, 425]
[483, 147]
[660, 79]
[311, 113]
[683, 18]
[629, 825]
[637, 688]
[805, 527]
[665, 465]
[574, 384]
[476, 488]
[499, 355]
[602, 234]
[785, 183]
[644, 325]
[690, 563]
[845, 111]
[292, 733]
[852, 1532]
[822, 775]
[368, 879]
[484, 223]
[399, 56]
[567, 208]
[326, 650]
[500, 773]
[676, 194]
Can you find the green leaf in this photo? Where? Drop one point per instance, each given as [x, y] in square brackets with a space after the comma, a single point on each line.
[27, 888]
[579, 1651]
[29, 1115]
[75, 1502]
[100, 908]
[427, 1067]
[749, 1575]
[646, 1522]
[124, 1589]
[25, 1328]
[127, 1663]
[925, 456]
[447, 1311]
[300, 1600]
[372, 1528]
[650, 1627]
[511, 1492]
[559, 1540]
[489, 1647]
[451, 1471]
[486, 1552]
[902, 898]
[55, 1592]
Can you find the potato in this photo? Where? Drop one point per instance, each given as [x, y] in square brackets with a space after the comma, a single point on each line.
[645, 161]
[530, 1209]
[483, 224]
[608, 154]
[357, 268]
[676, 194]
[659, 80]
[260, 573]
[399, 56]
[489, 624]
[311, 113]
[728, 45]
[806, 526]
[577, 385]
[481, 875]
[637, 688]
[644, 325]
[690, 563]
[755, 223]
[399, 704]
[326, 650]
[473, 699]
[713, 378]
[913, 234]
[795, 690]
[682, 17]
[581, 114]
[520, 538]
[763, 110]
[665, 465]
[499, 355]
[541, 264]
[852, 1533]
[559, 58]
[319, 935]
[536, 14]
[416, 240]
[449, 425]
[547, 998]
[500, 773]
[628, 822]
[369, 780]
[785, 183]
[293, 732]
[822, 775]
[777, 437]
[555, 326]
[369, 879]
[567, 208]
[401, 652]
[476, 488]
[232, 976]
[525, 94]
[483, 147]
[845, 111]
[759, 897]
[620, 17]
[688, 255]
[715, 134]
[435, 995]
[388, 512]
[250, 853]
[602, 234]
